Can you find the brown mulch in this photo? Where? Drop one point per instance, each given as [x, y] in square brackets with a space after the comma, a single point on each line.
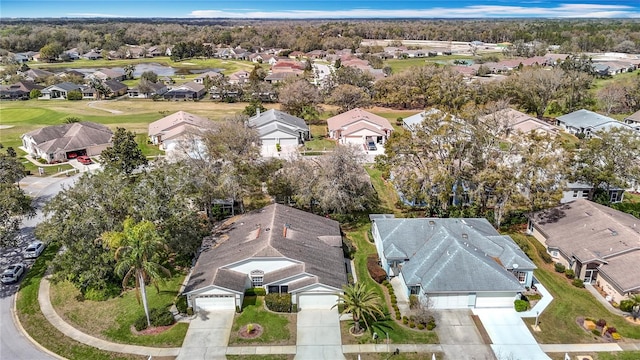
[245, 334]
[152, 330]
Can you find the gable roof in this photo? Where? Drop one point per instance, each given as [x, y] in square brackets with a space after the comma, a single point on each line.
[635, 117]
[273, 119]
[440, 250]
[175, 120]
[211, 74]
[66, 86]
[115, 85]
[67, 137]
[589, 119]
[520, 121]
[261, 234]
[356, 115]
[592, 232]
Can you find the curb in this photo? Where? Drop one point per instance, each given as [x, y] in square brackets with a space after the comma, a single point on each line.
[16, 321]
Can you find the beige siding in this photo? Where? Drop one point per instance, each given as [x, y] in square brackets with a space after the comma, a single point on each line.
[538, 235]
[609, 289]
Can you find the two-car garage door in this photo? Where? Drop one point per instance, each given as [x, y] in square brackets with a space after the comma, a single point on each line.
[316, 301]
[216, 302]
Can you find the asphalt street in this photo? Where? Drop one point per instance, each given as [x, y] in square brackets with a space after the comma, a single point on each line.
[14, 345]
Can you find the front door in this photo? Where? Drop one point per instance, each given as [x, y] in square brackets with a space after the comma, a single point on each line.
[590, 276]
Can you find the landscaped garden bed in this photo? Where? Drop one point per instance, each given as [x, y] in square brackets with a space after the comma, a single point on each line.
[258, 325]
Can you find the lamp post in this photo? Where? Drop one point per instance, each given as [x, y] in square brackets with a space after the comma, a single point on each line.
[536, 325]
[386, 333]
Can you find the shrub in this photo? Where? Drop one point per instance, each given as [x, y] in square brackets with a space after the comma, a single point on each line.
[626, 305]
[616, 336]
[348, 248]
[74, 95]
[412, 324]
[42, 161]
[431, 324]
[278, 302]
[521, 305]
[34, 94]
[385, 283]
[101, 294]
[140, 323]
[595, 332]
[559, 267]
[255, 292]
[405, 320]
[611, 330]
[190, 311]
[398, 316]
[569, 273]
[161, 317]
[601, 323]
[578, 283]
[181, 304]
[544, 255]
[376, 272]
[413, 301]
[421, 326]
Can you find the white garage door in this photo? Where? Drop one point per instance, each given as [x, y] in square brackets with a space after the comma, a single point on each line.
[495, 300]
[317, 301]
[450, 301]
[216, 302]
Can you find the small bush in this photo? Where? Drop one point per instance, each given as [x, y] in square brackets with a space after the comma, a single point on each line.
[405, 320]
[611, 330]
[376, 272]
[601, 323]
[255, 292]
[413, 301]
[398, 316]
[278, 302]
[521, 305]
[101, 294]
[431, 324]
[616, 336]
[181, 304]
[544, 255]
[190, 311]
[569, 273]
[140, 323]
[385, 282]
[421, 326]
[412, 324]
[161, 317]
[577, 283]
[626, 305]
[595, 332]
[559, 267]
[74, 95]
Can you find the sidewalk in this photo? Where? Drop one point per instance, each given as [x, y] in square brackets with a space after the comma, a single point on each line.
[603, 301]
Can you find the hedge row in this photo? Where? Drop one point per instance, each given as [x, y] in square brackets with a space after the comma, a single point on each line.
[278, 302]
[376, 272]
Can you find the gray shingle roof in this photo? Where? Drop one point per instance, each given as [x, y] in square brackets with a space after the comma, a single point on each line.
[278, 116]
[260, 234]
[68, 137]
[448, 255]
[589, 119]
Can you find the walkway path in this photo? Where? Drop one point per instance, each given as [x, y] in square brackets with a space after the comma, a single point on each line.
[50, 314]
[603, 301]
[93, 104]
[541, 305]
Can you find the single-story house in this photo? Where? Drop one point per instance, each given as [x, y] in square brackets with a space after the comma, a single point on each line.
[188, 91]
[109, 74]
[238, 77]
[452, 263]
[277, 127]
[512, 121]
[37, 75]
[633, 120]
[92, 55]
[574, 191]
[278, 77]
[170, 130]
[588, 122]
[154, 89]
[210, 74]
[117, 88]
[67, 141]
[277, 248]
[357, 126]
[18, 91]
[600, 244]
[59, 91]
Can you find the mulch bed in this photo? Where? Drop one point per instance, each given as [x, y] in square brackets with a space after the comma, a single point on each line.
[152, 330]
[245, 334]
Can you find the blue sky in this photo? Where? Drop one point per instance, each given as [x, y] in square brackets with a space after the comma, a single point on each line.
[302, 9]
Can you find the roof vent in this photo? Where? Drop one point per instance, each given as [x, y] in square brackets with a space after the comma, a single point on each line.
[432, 223]
[465, 236]
[613, 232]
[588, 213]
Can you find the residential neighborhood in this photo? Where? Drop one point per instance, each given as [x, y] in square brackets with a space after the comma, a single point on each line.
[329, 190]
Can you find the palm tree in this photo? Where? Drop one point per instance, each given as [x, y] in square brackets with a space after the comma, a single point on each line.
[138, 247]
[128, 71]
[361, 302]
[635, 309]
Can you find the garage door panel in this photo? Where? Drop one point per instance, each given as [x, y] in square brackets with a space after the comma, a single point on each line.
[450, 301]
[317, 301]
[497, 300]
[218, 302]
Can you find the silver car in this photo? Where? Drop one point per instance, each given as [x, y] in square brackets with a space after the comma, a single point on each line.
[12, 273]
[34, 250]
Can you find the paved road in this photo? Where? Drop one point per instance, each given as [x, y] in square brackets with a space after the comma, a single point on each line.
[13, 345]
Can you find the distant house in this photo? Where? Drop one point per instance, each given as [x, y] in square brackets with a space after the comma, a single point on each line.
[277, 127]
[278, 77]
[18, 91]
[109, 74]
[574, 191]
[600, 244]
[239, 77]
[633, 120]
[37, 75]
[452, 263]
[188, 91]
[356, 126]
[588, 122]
[154, 89]
[412, 122]
[512, 121]
[277, 248]
[210, 74]
[169, 131]
[59, 91]
[116, 87]
[92, 55]
[154, 51]
[67, 141]
[72, 54]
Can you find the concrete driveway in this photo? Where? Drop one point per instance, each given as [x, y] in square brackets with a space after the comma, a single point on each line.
[318, 335]
[208, 336]
[459, 337]
[509, 334]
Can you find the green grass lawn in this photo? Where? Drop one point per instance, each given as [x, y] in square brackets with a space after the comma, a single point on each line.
[600, 83]
[37, 326]
[147, 149]
[400, 65]
[398, 334]
[112, 319]
[278, 329]
[387, 195]
[558, 321]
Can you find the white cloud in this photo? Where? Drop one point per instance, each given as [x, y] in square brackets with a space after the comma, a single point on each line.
[476, 11]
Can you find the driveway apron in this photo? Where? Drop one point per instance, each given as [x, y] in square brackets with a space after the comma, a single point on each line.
[208, 336]
[459, 337]
[319, 335]
[509, 334]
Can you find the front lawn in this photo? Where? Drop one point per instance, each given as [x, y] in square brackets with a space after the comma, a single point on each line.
[37, 326]
[112, 319]
[278, 329]
[558, 321]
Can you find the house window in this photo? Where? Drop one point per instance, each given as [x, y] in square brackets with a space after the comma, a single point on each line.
[585, 193]
[414, 290]
[521, 275]
[554, 253]
[575, 194]
[614, 196]
[278, 289]
[257, 278]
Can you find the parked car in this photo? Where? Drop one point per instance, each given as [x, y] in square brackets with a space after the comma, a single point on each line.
[85, 160]
[34, 250]
[371, 145]
[12, 273]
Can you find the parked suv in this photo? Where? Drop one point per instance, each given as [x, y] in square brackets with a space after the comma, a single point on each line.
[12, 273]
[34, 250]
[85, 160]
[371, 145]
